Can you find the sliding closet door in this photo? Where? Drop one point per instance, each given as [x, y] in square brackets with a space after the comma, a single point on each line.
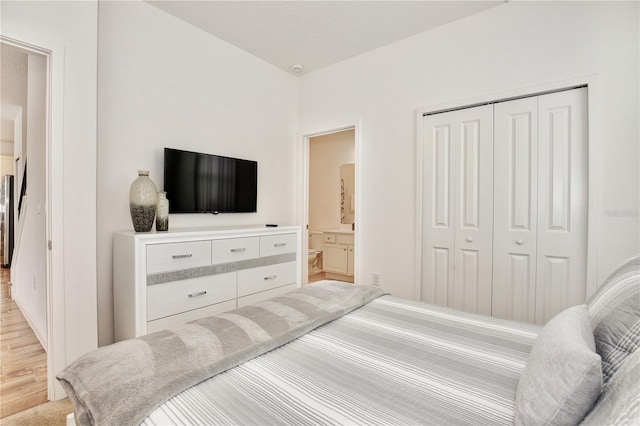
[515, 211]
[457, 209]
[562, 202]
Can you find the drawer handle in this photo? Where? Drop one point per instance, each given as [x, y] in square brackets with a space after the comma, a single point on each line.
[279, 244]
[238, 250]
[181, 256]
[199, 293]
[270, 277]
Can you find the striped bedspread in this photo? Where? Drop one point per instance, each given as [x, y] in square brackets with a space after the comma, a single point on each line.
[391, 361]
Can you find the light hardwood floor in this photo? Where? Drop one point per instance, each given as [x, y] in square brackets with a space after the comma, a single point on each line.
[23, 362]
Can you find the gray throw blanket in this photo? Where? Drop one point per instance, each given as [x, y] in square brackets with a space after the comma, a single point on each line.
[121, 384]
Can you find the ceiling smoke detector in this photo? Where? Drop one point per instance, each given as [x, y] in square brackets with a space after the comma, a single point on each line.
[297, 68]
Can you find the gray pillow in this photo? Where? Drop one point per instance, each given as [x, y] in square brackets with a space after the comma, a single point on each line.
[619, 403]
[615, 316]
[563, 376]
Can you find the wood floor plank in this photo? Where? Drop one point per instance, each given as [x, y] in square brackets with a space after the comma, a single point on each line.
[23, 370]
[26, 402]
[33, 361]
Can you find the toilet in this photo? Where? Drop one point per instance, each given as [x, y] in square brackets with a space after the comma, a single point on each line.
[315, 252]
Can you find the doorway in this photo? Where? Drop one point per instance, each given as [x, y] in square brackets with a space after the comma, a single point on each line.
[330, 213]
[37, 160]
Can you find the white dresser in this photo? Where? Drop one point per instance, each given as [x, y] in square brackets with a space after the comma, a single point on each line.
[169, 278]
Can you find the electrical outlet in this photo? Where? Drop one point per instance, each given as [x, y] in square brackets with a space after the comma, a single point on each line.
[376, 279]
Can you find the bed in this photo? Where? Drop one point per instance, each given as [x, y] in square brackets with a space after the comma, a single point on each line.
[335, 353]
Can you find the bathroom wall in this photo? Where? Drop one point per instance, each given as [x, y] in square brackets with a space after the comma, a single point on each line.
[326, 154]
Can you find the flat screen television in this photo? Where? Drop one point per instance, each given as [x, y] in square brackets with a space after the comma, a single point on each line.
[204, 183]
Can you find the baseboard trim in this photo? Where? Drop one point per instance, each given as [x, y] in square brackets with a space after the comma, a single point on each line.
[39, 336]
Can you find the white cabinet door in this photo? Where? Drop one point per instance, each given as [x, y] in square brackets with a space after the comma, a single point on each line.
[335, 258]
[457, 206]
[562, 202]
[515, 209]
[350, 261]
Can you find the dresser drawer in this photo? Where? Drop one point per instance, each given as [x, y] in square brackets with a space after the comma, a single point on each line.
[234, 249]
[277, 244]
[173, 320]
[266, 277]
[172, 298]
[177, 256]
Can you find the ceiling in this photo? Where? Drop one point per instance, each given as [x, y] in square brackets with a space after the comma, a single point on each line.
[317, 33]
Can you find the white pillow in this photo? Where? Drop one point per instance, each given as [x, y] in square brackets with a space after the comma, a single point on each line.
[619, 403]
[563, 376]
[614, 310]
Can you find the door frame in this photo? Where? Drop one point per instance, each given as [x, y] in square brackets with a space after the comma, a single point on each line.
[54, 160]
[302, 199]
[592, 84]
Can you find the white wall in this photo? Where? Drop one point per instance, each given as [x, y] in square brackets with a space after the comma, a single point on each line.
[74, 26]
[326, 154]
[164, 83]
[28, 268]
[512, 46]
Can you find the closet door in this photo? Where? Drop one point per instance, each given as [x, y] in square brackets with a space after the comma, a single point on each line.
[540, 209]
[515, 209]
[457, 209]
[562, 202]
[437, 208]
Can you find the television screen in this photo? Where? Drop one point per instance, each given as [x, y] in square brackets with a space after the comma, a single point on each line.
[205, 183]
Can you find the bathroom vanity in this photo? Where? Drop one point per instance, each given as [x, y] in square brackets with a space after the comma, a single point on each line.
[338, 258]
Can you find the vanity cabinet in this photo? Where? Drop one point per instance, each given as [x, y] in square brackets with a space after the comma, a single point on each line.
[336, 258]
[338, 255]
[169, 278]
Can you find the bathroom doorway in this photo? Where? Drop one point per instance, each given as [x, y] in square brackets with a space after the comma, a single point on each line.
[331, 206]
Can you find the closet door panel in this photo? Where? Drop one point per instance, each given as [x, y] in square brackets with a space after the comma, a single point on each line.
[473, 218]
[515, 209]
[440, 275]
[457, 205]
[562, 205]
[437, 208]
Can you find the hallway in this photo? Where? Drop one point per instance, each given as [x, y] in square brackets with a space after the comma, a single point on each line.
[23, 362]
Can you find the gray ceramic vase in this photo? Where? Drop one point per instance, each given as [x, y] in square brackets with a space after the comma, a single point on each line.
[162, 213]
[143, 199]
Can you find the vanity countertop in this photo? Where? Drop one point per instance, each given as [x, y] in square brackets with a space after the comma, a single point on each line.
[339, 231]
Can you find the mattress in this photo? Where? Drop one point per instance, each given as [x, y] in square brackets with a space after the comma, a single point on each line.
[391, 361]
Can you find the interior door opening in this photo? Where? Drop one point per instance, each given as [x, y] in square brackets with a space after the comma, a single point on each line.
[329, 213]
[24, 173]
